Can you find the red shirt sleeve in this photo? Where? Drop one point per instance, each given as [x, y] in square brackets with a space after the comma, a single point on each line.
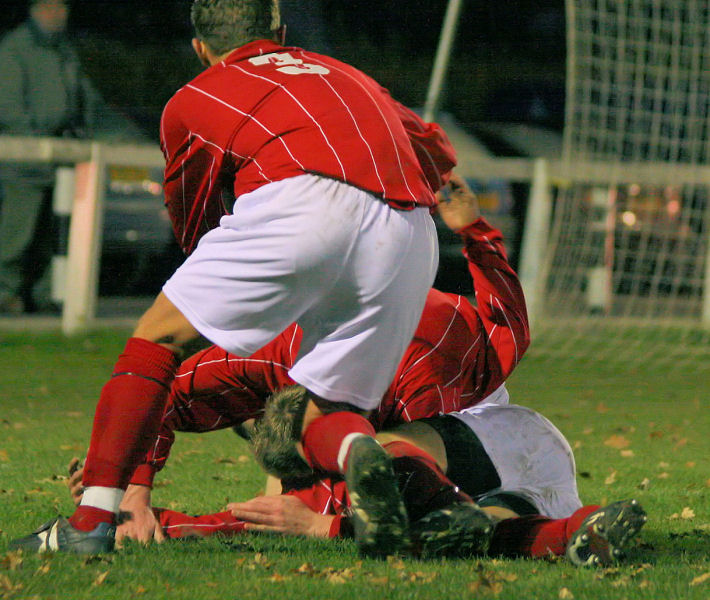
[461, 353]
[500, 301]
[434, 151]
[194, 169]
[215, 390]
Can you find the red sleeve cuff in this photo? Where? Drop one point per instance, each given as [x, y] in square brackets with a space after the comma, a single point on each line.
[479, 227]
[143, 475]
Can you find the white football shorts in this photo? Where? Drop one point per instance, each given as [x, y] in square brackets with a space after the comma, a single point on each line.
[532, 457]
[352, 271]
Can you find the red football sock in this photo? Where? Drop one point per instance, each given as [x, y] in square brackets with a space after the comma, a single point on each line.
[324, 436]
[423, 485]
[86, 518]
[535, 536]
[179, 525]
[126, 421]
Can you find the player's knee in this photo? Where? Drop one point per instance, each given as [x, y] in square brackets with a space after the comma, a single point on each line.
[163, 323]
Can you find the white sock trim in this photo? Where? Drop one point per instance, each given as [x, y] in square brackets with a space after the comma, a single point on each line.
[345, 448]
[105, 498]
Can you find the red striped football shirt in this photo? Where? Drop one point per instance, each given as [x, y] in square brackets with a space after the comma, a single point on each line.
[459, 355]
[269, 112]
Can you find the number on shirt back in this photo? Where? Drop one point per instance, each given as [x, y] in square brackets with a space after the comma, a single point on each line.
[285, 63]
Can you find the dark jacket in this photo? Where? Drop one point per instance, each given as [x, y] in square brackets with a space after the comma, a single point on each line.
[43, 92]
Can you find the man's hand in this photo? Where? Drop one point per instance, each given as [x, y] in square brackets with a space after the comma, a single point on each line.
[458, 205]
[76, 487]
[139, 522]
[281, 514]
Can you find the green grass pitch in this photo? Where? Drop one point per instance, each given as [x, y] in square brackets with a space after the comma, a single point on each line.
[642, 433]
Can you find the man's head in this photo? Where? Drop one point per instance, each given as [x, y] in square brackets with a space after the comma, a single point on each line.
[50, 15]
[224, 25]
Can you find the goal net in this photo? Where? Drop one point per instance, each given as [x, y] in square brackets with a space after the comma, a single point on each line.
[627, 272]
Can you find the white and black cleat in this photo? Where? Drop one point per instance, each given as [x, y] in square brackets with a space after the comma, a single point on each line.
[605, 534]
[378, 514]
[58, 535]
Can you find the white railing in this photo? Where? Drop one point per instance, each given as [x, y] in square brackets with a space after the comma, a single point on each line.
[89, 161]
[80, 191]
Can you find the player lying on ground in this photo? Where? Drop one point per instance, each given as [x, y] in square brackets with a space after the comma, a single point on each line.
[523, 480]
[309, 190]
[215, 390]
[458, 356]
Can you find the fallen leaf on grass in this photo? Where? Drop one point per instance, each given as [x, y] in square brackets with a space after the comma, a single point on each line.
[379, 580]
[243, 458]
[305, 569]
[259, 560]
[690, 464]
[4, 456]
[656, 435]
[663, 465]
[490, 582]
[686, 514]
[276, 578]
[140, 590]
[602, 408]
[622, 581]
[627, 453]
[486, 586]
[417, 577]
[74, 447]
[11, 561]
[611, 478]
[7, 585]
[74, 414]
[680, 443]
[701, 579]
[52, 479]
[100, 578]
[565, 594]
[43, 569]
[617, 441]
[588, 430]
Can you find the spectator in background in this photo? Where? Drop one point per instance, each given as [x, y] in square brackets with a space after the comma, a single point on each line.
[43, 93]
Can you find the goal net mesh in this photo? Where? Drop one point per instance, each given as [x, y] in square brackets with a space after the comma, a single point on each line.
[626, 274]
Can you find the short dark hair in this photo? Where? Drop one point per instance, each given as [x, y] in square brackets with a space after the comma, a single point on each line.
[228, 24]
